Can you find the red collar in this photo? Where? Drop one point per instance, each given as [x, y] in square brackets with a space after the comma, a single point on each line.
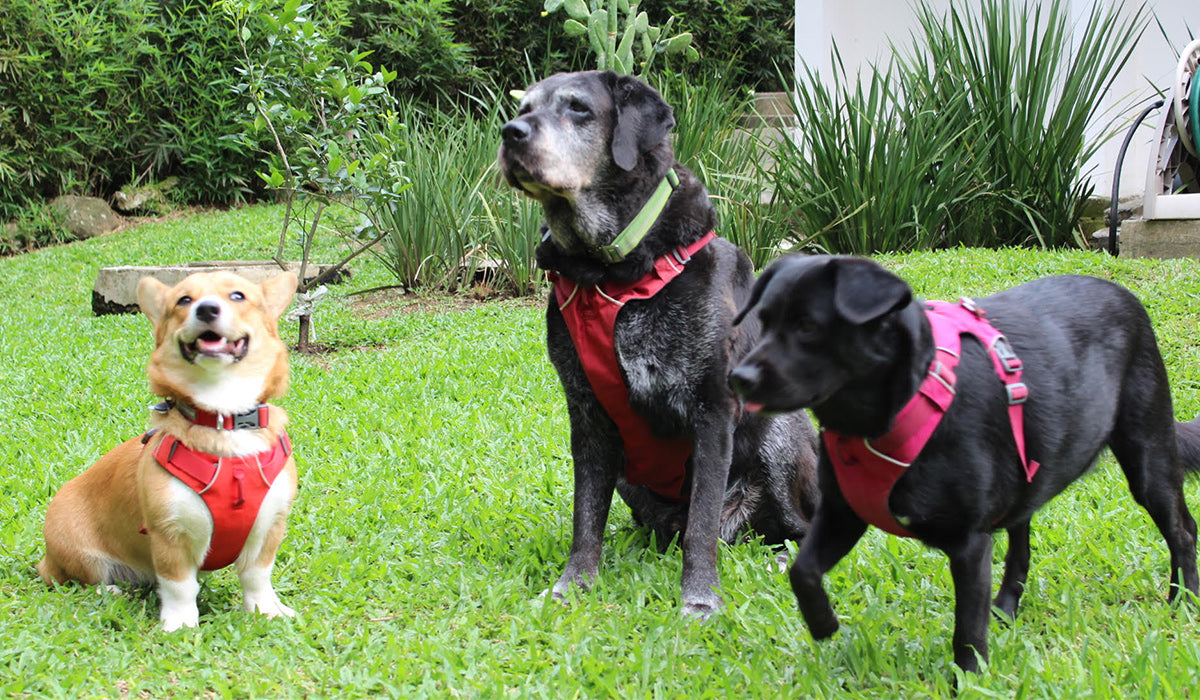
[256, 417]
[867, 469]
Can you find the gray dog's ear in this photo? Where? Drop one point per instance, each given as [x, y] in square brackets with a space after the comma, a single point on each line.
[864, 291]
[643, 119]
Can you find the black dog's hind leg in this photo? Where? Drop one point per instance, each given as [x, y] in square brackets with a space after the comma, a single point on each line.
[1143, 441]
[834, 531]
[1016, 569]
[971, 569]
[1156, 481]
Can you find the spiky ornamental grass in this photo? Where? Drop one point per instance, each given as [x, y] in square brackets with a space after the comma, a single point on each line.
[435, 505]
[976, 132]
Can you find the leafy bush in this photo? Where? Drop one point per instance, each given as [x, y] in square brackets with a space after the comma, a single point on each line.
[96, 95]
[749, 41]
[415, 39]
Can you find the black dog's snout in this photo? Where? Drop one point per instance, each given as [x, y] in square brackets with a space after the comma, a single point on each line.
[516, 130]
[744, 378]
[208, 311]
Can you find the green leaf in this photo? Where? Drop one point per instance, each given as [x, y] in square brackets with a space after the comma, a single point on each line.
[678, 43]
[577, 9]
[574, 28]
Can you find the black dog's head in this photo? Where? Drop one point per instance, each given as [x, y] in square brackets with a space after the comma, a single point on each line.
[828, 323]
[571, 127]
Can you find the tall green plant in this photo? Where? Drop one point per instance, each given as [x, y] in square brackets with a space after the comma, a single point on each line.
[978, 136]
[327, 116]
[458, 222]
[732, 159]
[869, 171]
[1033, 77]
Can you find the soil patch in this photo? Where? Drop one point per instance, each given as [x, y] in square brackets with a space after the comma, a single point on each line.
[388, 301]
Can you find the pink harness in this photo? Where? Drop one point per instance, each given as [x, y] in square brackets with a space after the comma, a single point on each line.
[233, 488]
[591, 316]
[867, 470]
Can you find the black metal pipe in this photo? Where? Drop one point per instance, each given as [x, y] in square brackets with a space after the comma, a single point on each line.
[1116, 184]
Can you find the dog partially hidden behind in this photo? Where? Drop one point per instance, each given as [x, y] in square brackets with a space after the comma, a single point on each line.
[137, 515]
[639, 329]
[1075, 368]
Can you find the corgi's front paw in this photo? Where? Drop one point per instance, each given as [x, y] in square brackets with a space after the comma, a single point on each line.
[178, 603]
[268, 605]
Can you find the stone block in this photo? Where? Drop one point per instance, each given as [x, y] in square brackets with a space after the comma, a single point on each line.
[1160, 238]
[115, 290]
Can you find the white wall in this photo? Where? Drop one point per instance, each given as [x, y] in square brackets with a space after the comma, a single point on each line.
[862, 29]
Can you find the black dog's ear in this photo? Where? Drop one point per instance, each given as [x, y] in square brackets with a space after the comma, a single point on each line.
[643, 119]
[789, 264]
[756, 293]
[864, 291]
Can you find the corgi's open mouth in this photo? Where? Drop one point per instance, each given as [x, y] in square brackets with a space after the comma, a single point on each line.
[211, 344]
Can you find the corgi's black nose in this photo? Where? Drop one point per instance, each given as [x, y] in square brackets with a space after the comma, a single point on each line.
[515, 131]
[208, 311]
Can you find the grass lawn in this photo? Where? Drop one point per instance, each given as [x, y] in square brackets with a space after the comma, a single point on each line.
[435, 505]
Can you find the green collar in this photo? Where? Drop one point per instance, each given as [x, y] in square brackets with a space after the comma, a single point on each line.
[637, 229]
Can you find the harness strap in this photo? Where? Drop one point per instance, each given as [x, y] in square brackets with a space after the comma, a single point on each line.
[590, 314]
[867, 470]
[233, 499]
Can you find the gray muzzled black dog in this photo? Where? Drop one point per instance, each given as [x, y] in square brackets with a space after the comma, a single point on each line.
[845, 337]
[593, 149]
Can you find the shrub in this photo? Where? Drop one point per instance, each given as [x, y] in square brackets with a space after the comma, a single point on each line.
[415, 39]
[96, 95]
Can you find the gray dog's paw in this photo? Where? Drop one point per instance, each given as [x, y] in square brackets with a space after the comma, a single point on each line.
[703, 608]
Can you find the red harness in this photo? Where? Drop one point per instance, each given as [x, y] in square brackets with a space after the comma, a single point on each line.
[233, 488]
[867, 470]
[591, 316]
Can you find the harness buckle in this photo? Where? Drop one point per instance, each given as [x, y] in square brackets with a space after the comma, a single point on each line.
[1007, 356]
[969, 304]
[681, 255]
[1017, 393]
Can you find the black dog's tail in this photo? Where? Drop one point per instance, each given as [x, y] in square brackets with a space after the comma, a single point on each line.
[1188, 437]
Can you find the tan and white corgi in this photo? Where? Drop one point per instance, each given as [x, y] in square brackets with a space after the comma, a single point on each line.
[213, 480]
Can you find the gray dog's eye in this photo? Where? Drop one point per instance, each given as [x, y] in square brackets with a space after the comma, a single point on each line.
[578, 106]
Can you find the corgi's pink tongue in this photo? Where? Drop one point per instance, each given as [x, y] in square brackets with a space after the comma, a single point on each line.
[212, 344]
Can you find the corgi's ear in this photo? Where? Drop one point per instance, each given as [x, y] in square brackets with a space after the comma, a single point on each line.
[278, 292]
[152, 298]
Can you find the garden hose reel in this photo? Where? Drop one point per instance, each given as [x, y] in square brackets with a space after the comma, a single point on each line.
[1173, 178]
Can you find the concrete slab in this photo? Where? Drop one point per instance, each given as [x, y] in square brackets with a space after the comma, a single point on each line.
[1160, 238]
[115, 290]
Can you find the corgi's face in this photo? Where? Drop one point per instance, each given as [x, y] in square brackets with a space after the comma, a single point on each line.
[216, 339]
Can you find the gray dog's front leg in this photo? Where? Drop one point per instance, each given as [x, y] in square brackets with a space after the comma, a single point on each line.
[712, 453]
[594, 486]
